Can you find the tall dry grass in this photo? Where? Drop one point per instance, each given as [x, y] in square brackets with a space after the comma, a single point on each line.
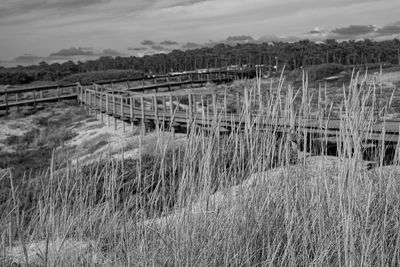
[246, 198]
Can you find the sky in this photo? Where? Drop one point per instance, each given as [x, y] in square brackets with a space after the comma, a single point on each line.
[57, 30]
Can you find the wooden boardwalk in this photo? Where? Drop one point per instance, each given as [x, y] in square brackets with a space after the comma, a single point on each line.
[161, 106]
[165, 109]
[34, 95]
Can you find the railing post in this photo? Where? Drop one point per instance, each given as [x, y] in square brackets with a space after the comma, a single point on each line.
[17, 99]
[143, 117]
[171, 111]
[122, 114]
[156, 111]
[131, 103]
[214, 100]
[190, 107]
[85, 98]
[6, 98]
[80, 92]
[34, 98]
[114, 110]
[101, 105]
[108, 109]
[59, 93]
[164, 109]
[238, 106]
[95, 101]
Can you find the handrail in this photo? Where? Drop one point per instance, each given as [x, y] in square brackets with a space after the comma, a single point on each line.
[155, 77]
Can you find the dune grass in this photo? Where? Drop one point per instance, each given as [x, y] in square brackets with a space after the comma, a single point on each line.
[161, 209]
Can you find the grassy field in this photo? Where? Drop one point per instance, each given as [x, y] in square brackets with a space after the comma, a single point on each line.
[251, 198]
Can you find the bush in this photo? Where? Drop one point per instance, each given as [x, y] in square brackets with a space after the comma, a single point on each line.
[97, 76]
[319, 72]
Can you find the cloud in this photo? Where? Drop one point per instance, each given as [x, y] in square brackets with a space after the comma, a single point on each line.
[19, 7]
[316, 30]
[73, 51]
[148, 42]
[191, 45]
[110, 53]
[166, 42]
[137, 48]
[240, 38]
[390, 29]
[157, 47]
[82, 53]
[268, 38]
[28, 58]
[354, 30]
[186, 3]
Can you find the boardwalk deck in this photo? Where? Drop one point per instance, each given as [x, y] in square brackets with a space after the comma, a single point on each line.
[127, 105]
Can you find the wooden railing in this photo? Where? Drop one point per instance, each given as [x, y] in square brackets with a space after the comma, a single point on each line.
[205, 109]
[36, 95]
[173, 108]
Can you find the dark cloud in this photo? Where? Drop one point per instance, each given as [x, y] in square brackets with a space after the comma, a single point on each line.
[190, 45]
[148, 42]
[354, 30]
[166, 42]
[84, 52]
[240, 38]
[110, 52]
[73, 51]
[28, 58]
[157, 47]
[137, 48]
[390, 29]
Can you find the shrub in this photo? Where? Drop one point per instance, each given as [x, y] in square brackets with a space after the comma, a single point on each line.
[97, 76]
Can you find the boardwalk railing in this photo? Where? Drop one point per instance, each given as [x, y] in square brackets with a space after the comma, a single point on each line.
[35, 95]
[179, 108]
[208, 108]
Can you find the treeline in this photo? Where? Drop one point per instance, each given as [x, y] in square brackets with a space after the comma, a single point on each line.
[272, 55]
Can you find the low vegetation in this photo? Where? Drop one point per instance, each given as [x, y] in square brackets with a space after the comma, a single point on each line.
[252, 197]
[96, 76]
